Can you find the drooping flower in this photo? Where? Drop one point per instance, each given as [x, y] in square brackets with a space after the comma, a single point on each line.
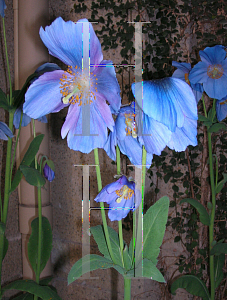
[48, 173]
[182, 72]
[2, 8]
[121, 197]
[5, 131]
[211, 71]
[169, 111]
[76, 87]
[221, 109]
[125, 136]
[47, 67]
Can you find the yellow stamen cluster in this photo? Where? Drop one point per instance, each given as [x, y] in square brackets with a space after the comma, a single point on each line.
[186, 78]
[76, 87]
[215, 71]
[131, 128]
[124, 193]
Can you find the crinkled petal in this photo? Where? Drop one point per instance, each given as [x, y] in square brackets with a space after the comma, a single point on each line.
[168, 101]
[216, 88]
[98, 132]
[198, 73]
[184, 67]
[43, 96]
[184, 136]
[64, 41]
[5, 131]
[105, 111]
[107, 84]
[118, 211]
[104, 196]
[213, 55]
[2, 8]
[110, 144]
[133, 150]
[155, 135]
[221, 109]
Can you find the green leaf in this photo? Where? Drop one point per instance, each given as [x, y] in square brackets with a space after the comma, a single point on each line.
[203, 214]
[88, 263]
[25, 296]
[202, 118]
[219, 249]
[148, 269]
[219, 262]
[216, 127]
[98, 234]
[44, 292]
[3, 101]
[154, 225]
[192, 284]
[46, 245]
[32, 176]
[6, 243]
[27, 159]
[221, 183]
[127, 258]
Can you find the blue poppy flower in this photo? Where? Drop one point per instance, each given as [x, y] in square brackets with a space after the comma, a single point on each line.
[169, 114]
[76, 88]
[2, 8]
[47, 67]
[5, 131]
[48, 173]
[121, 197]
[211, 72]
[221, 109]
[182, 72]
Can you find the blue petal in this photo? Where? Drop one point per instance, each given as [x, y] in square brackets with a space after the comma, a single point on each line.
[110, 144]
[107, 84]
[199, 73]
[98, 131]
[5, 131]
[43, 96]
[213, 55]
[168, 101]
[184, 67]
[155, 135]
[184, 136]
[2, 8]
[216, 88]
[47, 67]
[64, 41]
[221, 109]
[118, 211]
[104, 111]
[16, 119]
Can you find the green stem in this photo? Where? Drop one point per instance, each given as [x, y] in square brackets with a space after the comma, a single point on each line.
[105, 227]
[120, 222]
[7, 62]
[127, 288]
[139, 248]
[15, 148]
[212, 215]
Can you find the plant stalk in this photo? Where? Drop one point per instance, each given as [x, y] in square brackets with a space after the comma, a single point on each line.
[127, 288]
[99, 181]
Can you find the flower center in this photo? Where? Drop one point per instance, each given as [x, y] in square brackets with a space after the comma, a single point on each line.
[77, 87]
[124, 193]
[131, 128]
[215, 71]
[223, 102]
[186, 78]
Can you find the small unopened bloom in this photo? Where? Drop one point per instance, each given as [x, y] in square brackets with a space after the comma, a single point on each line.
[48, 173]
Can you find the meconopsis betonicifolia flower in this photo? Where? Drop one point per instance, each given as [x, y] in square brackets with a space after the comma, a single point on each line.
[168, 114]
[121, 196]
[125, 136]
[211, 71]
[78, 86]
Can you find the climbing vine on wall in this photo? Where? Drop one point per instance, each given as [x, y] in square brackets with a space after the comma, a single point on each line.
[172, 31]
